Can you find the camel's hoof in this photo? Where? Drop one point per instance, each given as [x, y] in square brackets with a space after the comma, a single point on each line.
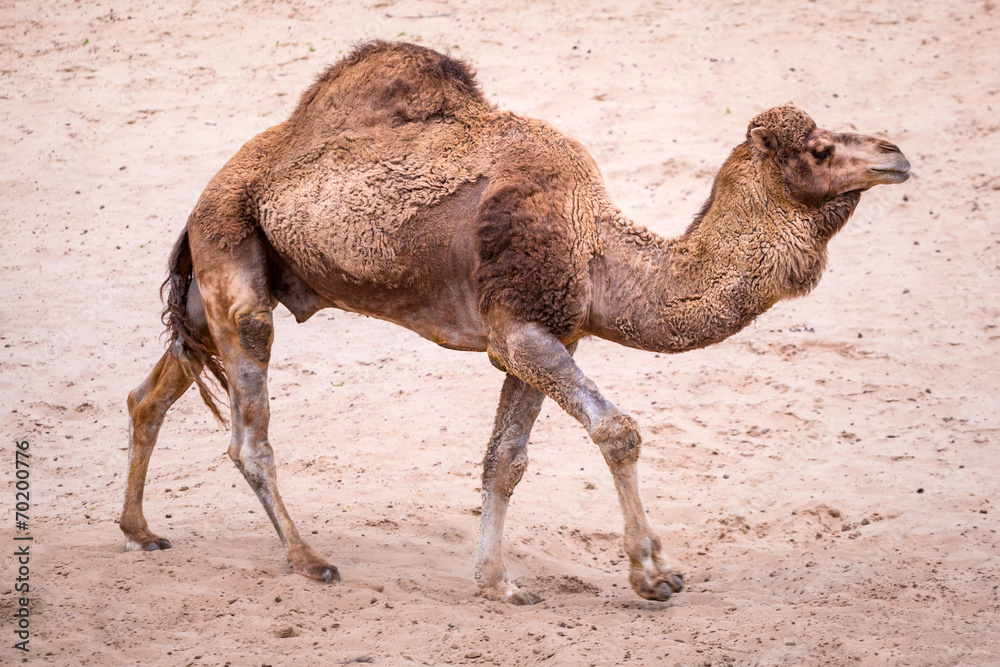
[520, 597]
[661, 587]
[304, 560]
[318, 571]
[510, 594]
[148, 544]
[157, 545]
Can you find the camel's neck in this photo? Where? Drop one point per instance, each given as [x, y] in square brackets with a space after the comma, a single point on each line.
[743, 253]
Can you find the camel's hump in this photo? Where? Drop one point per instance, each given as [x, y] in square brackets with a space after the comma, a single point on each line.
[393, 82]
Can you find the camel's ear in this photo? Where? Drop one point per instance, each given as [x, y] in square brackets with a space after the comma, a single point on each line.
[765, 140]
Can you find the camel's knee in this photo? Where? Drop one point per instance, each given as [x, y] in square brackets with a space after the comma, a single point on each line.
[143, 412]
[254, 460]
[138, 405]
[617, 434]
[251, 453]
[148, 403]
[134, 399]
[235, 444]
[256, 333]
[503, 470]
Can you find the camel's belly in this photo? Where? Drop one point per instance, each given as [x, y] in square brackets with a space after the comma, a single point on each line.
[454, 333]
[446, 315]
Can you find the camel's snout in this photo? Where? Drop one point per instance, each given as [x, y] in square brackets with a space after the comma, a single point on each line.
[886, 147]
[891, 166]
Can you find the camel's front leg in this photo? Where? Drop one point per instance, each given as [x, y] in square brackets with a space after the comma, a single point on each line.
[505, 462]
[538, 358]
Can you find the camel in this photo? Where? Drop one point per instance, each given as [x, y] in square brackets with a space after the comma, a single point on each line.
[397, 191]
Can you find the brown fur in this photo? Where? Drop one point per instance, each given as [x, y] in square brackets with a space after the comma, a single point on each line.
[519, 232]
[395, 190]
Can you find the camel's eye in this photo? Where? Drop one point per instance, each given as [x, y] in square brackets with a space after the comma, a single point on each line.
[821, 153]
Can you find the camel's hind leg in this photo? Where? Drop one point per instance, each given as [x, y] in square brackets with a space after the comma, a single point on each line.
[234, 290]
[147, 405]
[505, 462]
[538, 358]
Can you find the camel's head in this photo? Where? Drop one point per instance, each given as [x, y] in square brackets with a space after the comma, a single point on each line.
[816, 165]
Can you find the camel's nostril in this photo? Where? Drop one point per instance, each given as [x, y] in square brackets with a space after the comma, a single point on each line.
[886, 147]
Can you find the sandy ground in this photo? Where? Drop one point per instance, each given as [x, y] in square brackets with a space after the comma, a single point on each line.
[826, 479]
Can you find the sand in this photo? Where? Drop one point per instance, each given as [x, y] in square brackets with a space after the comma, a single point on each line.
[826, 479]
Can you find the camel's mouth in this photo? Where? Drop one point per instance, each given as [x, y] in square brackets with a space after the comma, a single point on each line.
[896, 172]
[886, 164]
[891, 175]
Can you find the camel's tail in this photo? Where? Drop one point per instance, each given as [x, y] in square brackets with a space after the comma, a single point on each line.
[187, 343]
